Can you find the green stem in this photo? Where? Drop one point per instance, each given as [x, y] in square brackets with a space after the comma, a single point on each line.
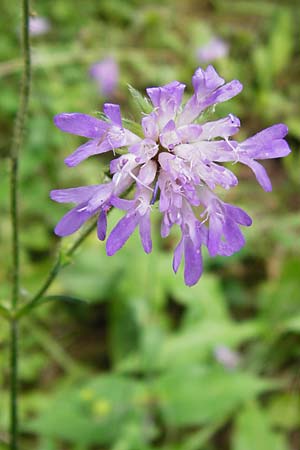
[15, 149]
[14, 157]
[60, 262]
[14, 385]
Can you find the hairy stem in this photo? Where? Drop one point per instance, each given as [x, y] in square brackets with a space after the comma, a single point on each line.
[14, 158]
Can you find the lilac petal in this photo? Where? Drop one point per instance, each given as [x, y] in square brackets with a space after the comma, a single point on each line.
[112, 111]
[145, 232]
[216, 48]
[189, 133]
[117, 164]
[38, 26]
[106, 75]
[147, 173]
[208, 93]
[193, 262]
[122, 203]
[73, 195]
[233, 235]
[224, 127]
[150, 126]
[224, 93]
[101, 196]
[102, 225]
[169, 137]
[197, 103]
[86, 150]
[215, 231]
[177, 256]
[80, 124]
[72, 221]
[165, 159]
[121, 233]
[144, 150]
[260, 173]
[267, 143]
[238, 215]
[161, 96]
[205, 81]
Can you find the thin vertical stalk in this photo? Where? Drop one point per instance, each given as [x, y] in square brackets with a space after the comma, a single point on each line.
[14, 385]
[14, 184]
[15, 149]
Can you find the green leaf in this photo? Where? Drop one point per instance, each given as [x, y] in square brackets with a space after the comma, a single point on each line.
[140, 101]
[292, 324]
[4, 312]
[284, 410]
[200, 395]
[253, 431]
[93, 413]
[60, 298]
[281, 41]
[198, 341]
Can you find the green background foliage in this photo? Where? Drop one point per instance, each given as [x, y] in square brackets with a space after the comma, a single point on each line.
[135, 365]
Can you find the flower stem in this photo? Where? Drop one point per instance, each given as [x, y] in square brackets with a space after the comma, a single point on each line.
[15, 149]
[14, 385]
[59, 263]
[14, 158]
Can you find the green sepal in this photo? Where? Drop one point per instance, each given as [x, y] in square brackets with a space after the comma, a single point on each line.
[135, 127]
[141, 102]
[102, 116]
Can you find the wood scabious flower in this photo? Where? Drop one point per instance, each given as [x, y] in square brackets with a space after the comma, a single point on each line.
[177, 164]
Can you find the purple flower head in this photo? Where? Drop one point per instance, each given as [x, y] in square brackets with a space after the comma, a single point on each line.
[227, 357]
[175, 162]
[214, 49]
[106, 75]
[38, 26]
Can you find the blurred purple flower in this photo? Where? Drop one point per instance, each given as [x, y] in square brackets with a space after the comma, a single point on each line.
[177, 163]
[227, 357]
[215, 49]
[38, 26]
[106, 75]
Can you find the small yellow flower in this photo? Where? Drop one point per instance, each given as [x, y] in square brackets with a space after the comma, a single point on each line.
[101, 408]
[87, 394]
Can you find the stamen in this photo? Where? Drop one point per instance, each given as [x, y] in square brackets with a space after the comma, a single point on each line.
[235, 150]
[139, 181]
[155, 192]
